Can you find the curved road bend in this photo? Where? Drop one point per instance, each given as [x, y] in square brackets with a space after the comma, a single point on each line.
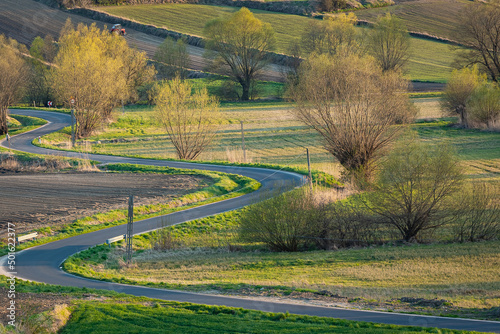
[42, 263]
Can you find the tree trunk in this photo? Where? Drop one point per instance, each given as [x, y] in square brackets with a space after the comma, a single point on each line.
[246, 91]
[3, 121]
[463, 117]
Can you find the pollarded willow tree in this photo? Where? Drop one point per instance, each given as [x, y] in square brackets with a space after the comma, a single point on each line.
[190, 119]
[98, 70]
[241, 45]
[13, 76]
[357, 109]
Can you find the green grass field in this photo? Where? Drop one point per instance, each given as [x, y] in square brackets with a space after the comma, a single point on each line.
[158, 317]
[430, 61]
[273, 136]
[435, 17]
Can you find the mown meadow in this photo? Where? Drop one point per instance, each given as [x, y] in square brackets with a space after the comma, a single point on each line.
[429, 61]
[436, 18]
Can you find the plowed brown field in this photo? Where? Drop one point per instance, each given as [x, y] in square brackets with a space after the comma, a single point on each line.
[34, 200]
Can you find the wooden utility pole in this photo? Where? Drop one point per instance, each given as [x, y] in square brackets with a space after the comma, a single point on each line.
[309, 168]
[72, 127]
[130, 227]
[243, 143]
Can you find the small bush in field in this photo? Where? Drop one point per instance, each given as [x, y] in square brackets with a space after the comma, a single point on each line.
[478, 216]
[280, 222]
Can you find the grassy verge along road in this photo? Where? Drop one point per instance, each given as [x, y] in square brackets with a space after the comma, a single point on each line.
[87, 311]
[206, 256]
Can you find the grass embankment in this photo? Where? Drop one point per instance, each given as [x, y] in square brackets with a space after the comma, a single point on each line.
[274, 136]
[101, 311]
[221, 186]
[439, 279]
[25, 124]
[430, 60]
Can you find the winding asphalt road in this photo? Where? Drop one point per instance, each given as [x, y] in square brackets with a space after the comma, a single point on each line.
[42, 263]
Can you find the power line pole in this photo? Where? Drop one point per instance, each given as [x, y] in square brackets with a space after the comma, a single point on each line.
[130, 227]
[309, 168]
[243, 143]
[72, 101]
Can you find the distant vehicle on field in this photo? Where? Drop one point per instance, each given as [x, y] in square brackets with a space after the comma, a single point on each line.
[118, 29]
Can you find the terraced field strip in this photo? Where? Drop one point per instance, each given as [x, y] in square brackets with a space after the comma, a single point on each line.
[430, 61]
[433, 17]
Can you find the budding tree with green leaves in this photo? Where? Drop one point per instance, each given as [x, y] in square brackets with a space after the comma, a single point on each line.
[241, 45]
[331, 36]
[459, 90]
[414, 189]
[99, 71]
[13, 76]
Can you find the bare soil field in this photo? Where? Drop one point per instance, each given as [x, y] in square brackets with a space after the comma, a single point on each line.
[32, 200]
[23, 20]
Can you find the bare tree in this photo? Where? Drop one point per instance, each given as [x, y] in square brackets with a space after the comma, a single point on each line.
[13, 75]
[355, 107]
[414, 190]
[459, 89]
[241, 44]
[389, 42]
[479, 31]
[191, 120]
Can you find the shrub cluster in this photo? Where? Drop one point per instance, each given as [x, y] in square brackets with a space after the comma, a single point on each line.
[300, 219]
[419, 190]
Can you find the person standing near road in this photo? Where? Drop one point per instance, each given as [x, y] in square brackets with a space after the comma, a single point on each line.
[7, 136]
